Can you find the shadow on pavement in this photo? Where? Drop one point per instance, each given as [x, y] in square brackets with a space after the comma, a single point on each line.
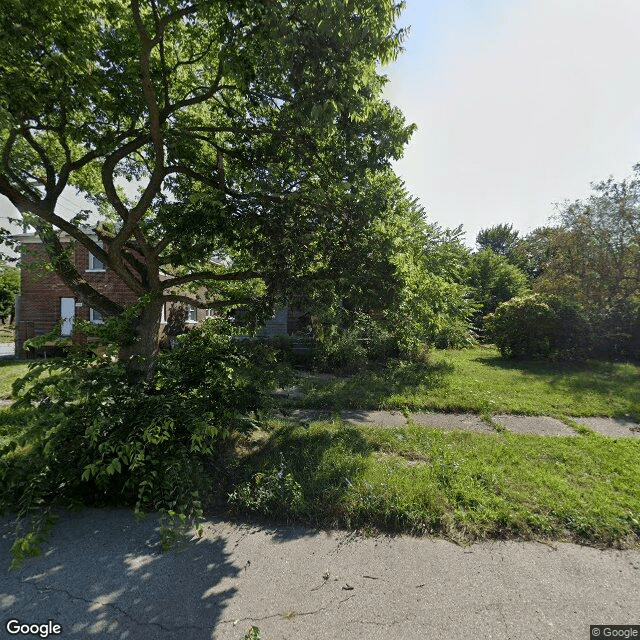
[102, 574]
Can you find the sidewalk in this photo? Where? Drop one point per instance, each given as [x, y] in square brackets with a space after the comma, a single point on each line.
[7, 350]
[538, 425]
[102, 575]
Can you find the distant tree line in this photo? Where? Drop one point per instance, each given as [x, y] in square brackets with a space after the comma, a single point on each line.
[583, 276]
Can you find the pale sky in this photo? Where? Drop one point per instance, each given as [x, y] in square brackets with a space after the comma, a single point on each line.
[519, 104]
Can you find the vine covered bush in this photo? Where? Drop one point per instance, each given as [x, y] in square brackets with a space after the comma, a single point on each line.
[537, 326]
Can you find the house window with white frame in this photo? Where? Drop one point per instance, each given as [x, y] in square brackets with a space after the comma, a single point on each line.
[192, 314]
[95, 316]
[210, 313]
[95, 264]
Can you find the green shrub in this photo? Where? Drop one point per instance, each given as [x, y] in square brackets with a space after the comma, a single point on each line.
[492, 280]
[538, 326]
[616, 330]
[273, 492]
[455, 335]
[343, 351]
[94, 438]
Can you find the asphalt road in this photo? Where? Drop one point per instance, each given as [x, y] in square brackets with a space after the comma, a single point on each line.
[102, 575]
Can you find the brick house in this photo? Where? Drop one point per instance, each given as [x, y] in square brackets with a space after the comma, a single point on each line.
[45, 299]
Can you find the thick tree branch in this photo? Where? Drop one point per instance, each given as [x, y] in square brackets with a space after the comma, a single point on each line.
[206, 304]
[108, 168]
[70, 276]
[202, 97]
[44, 158]
[172, 17]
[6, 164]
[155, 125]
[210, 275]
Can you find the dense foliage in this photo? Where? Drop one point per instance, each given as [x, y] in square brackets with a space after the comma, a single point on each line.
[502, 239]
[537, 326]
[409, 293]
[245, 131]
[492, 279]
[93, 438]
[9, 289]
[592, 259]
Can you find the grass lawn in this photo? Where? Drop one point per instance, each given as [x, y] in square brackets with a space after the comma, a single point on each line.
[7, 332]
[480, 381]
[9, 371]
[461, 485]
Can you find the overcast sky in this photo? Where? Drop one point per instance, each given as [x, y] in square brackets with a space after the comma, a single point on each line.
[519, 104]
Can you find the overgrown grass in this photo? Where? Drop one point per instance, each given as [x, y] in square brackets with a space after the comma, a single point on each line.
[464, 486]
[9, 371]
[461, 485]
[479, 380]
[7, 332]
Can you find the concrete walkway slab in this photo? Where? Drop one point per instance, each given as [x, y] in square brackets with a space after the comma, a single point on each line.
[613, 427]
[463, 421]
[380, 418]
[102, 575]
[534, 425]
[307, 415]
[537, 425]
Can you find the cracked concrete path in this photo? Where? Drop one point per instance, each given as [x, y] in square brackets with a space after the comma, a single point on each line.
[102, 575]
[536, 425]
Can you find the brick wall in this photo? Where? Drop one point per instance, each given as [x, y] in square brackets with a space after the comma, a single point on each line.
[41, 291]
[38, 308]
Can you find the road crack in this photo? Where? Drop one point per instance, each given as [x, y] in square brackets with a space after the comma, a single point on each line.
[124, 612]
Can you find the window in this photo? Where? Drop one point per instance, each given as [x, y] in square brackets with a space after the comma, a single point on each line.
[95, 316]
[210, 313]
[95, 264]
[192, 314]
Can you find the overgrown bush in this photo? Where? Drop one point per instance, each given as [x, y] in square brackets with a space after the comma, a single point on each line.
[538, 326]
[616, 330]
[274, 492]
[342, 351]
[95, 438]
[455, 335]
[345, 342]
[492, 279]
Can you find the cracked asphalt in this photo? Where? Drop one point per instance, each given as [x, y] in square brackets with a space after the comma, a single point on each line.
[103, 575]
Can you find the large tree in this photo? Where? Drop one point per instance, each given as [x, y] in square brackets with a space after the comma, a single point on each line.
[592, 260]
[594, 255]
[501, 239]
[492, 279]
[250, 130]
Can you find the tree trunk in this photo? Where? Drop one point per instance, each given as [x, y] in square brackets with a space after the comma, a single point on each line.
[140, 356]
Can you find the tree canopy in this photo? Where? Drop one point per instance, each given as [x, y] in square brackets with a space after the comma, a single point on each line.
[249, 130]
[592, 258]
[501, 239]
[596, 256]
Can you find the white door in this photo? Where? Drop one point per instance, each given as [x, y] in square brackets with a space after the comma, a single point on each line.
[67, 314]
